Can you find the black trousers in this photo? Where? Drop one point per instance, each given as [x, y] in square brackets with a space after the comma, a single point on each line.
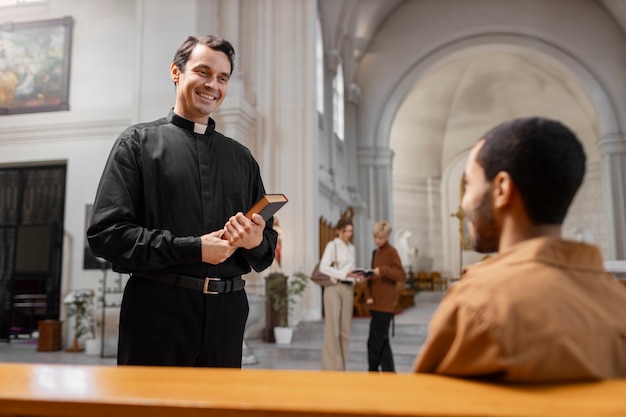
[172, 326]
[379, 353]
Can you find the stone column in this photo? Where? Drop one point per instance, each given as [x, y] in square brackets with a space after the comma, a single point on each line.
[351, 108]
[230, 24]
[236, 117]
[280, 38]
[613, 146]
[375, 181]
[363, 225]
[229, 21]
[375, 186]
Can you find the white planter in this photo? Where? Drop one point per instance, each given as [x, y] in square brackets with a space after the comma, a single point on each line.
[92, 346]
[283, 335]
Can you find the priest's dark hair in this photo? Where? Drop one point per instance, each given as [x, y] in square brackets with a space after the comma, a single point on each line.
[214, 42]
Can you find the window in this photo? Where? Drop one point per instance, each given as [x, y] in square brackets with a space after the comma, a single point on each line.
[338, 100]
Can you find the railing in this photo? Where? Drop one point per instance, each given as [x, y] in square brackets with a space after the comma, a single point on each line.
[92, 391]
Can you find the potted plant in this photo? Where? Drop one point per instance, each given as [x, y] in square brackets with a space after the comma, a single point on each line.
[282, 294]
[81, 307]
[93, 345]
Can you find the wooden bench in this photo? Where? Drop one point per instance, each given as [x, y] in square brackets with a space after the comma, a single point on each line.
[92, 391]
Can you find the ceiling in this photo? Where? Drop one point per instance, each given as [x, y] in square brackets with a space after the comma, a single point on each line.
[358, 20]
[450, 107]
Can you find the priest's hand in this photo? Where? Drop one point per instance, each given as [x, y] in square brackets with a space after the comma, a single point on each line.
[242, 232]
[215, 249]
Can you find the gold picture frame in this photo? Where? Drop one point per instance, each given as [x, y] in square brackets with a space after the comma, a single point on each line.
[35, 65]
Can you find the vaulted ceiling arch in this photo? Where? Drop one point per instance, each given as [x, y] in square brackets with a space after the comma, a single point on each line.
[449, 99]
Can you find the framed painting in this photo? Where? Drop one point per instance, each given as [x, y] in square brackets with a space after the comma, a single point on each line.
[35, 65]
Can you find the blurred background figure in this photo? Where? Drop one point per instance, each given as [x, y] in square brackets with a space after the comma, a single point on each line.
[381, 295]
[337, 262]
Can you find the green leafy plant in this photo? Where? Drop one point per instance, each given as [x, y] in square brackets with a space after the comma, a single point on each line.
[284, 296]
[81, 306]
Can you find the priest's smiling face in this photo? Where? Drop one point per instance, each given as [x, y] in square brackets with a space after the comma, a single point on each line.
[202, 85]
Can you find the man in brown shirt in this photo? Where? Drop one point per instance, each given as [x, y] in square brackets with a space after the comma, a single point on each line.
[543, 309]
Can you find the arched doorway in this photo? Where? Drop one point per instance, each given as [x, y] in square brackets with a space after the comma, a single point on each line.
[452, 102]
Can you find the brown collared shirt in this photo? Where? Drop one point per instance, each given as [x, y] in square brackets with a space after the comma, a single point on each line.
[544, 310]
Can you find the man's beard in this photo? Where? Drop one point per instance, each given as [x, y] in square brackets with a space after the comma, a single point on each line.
[483, 230]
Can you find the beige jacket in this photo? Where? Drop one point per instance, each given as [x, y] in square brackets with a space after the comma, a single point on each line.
[544, 310]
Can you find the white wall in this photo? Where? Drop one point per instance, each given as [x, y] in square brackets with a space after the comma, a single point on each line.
[120, 75]
[101, 104]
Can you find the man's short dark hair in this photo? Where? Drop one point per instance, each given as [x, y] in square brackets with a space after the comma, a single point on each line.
[544, 158]
[216, 43]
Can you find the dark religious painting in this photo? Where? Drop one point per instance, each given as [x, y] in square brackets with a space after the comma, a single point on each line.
[35, 65]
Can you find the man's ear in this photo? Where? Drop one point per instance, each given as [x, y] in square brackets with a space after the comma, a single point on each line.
[503, 189]
[174, 72]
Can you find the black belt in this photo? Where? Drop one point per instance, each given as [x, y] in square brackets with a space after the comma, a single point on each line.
[345, 282]
[208, 285]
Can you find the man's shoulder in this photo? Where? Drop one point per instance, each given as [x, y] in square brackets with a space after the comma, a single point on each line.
[503, 274]
[513, 281]
[230, 142]
[142, 127]
[494, 277]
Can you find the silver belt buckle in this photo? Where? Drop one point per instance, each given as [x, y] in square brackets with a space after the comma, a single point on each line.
[205, 287]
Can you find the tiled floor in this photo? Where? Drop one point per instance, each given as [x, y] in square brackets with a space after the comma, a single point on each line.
[303, 353]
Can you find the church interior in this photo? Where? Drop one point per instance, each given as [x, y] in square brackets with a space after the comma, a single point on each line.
[365, 109]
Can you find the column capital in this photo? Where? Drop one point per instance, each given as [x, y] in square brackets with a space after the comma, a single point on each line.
[613, 143]
[375, 156]
[237, 118]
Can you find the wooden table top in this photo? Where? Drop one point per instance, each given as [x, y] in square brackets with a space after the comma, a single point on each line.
[73, 390]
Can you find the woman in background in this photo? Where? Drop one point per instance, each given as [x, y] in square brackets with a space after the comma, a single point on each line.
[381, 295]
[338, 262]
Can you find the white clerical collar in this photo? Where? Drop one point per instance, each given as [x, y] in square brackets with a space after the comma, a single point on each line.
[187, 124]
[199, 128]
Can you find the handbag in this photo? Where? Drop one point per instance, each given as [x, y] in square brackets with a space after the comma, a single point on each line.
[320, 279]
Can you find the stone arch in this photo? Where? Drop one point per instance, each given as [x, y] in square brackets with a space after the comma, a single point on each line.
[595, 88]
[599, 96]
